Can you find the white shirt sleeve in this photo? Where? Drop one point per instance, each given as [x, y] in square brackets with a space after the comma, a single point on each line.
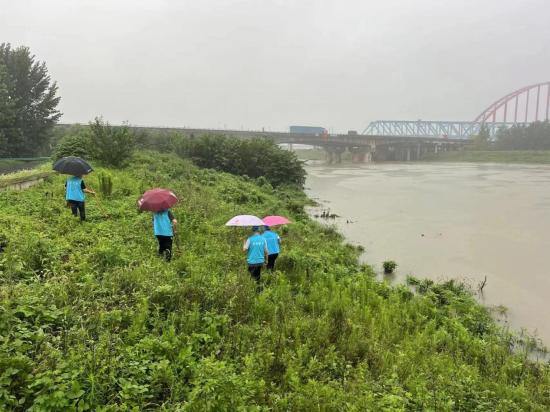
[246, 244]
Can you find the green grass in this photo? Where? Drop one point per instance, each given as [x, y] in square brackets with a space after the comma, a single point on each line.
[493, 156]
[92, 319]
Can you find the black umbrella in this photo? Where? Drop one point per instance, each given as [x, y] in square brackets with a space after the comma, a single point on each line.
[72, 165]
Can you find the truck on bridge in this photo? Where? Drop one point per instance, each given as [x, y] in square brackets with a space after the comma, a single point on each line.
[313, 130]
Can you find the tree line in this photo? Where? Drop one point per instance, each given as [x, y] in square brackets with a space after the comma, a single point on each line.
[114, 145]
[535, 136]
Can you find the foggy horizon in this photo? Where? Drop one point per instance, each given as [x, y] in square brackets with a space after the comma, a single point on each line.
[254, 65]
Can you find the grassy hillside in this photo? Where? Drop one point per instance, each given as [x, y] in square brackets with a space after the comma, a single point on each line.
[92, 319]
[492, 156]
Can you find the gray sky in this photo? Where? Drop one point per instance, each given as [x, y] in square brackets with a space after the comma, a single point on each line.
[273, 63]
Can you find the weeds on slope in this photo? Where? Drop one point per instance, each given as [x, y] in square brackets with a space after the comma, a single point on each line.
[91, 319]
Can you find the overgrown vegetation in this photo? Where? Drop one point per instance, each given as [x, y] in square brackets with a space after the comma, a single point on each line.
[113, 146]
[92, 319]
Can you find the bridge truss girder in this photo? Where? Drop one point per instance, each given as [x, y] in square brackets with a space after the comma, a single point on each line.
[433, 129]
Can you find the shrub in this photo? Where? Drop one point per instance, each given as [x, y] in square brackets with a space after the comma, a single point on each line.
[113, 146]
[77, 144]
[389, 266]
[253, 158]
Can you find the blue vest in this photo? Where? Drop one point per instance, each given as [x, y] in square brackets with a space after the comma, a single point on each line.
[272, 240]
[162, 224]
[256, 246]
[74, 189]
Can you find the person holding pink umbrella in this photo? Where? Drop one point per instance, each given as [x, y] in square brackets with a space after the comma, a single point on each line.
[272, 239]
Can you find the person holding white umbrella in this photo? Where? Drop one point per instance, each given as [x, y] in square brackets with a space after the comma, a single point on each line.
[256, 253]
[255, 246]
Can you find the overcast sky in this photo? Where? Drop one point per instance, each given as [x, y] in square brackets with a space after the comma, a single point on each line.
[273, 63]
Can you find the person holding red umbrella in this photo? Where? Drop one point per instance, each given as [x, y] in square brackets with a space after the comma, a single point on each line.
[159, 201]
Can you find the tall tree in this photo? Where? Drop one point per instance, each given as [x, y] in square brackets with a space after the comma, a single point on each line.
[29, 99]
[7, 113]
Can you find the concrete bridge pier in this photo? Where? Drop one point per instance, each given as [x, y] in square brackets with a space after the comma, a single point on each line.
[334, 154]
[360, 154]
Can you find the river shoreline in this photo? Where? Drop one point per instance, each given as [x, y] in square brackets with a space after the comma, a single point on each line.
[442, 221]
[462, 156]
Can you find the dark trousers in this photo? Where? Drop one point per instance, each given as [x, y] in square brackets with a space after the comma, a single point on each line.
[78, 208]
[165, 246]
[271, 261]
[255, 271]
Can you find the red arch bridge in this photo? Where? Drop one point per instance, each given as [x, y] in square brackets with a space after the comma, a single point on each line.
[520, 107]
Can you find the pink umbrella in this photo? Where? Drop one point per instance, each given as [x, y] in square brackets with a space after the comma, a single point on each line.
[245, 220]
[156, 200]
[275, 220]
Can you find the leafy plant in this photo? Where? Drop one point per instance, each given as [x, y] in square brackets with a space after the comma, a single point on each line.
[389, 266]
[105, 184]
[76, 142]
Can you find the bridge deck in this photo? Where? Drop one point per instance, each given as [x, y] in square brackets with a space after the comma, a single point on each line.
[315, 140]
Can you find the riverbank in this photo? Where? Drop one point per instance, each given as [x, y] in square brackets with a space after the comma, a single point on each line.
[491, 156]
[450, 220]
[14, 165]
[30, 170]
[474, 156]
[90, 317]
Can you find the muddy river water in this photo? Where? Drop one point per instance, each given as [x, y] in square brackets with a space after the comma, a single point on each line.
[439, 220]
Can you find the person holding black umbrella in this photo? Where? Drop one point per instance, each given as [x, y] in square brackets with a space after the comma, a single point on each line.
[75, 195]
[75, 186]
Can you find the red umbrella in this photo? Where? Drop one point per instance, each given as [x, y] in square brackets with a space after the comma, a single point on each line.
[156, 200]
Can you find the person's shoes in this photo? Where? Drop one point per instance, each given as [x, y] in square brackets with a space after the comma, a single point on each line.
[167, 255]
